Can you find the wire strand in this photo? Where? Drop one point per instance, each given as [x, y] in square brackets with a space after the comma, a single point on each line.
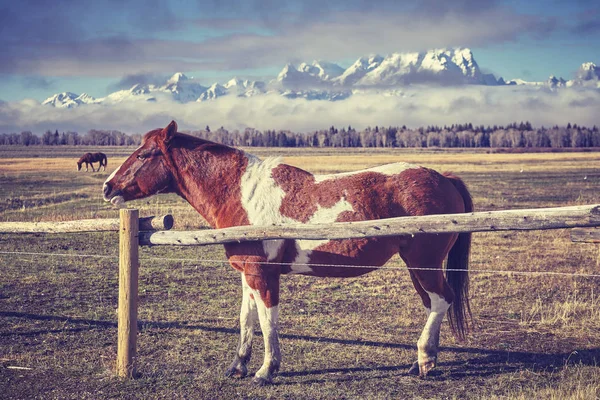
[400, 268]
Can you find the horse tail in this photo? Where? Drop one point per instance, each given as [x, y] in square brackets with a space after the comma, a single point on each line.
[457, 266]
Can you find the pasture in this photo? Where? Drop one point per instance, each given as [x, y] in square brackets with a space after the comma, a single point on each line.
[534, 335]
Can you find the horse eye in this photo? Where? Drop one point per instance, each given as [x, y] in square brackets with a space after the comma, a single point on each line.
[141, 157]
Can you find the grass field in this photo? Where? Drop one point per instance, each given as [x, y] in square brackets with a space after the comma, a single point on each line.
[534, 335]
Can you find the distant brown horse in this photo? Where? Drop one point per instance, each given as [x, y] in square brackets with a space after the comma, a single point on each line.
[90, 158]
[230, 187]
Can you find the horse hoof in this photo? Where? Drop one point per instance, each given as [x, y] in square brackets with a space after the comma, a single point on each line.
[422, 371]
[235, 373]
[258, 381]
[426, 369]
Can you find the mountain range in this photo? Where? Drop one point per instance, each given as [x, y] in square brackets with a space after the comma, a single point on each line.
[322, 80]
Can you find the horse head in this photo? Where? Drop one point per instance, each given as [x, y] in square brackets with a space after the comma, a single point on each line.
[145, 172]
[82, 159]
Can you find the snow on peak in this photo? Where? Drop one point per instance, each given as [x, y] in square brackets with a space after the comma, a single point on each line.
[177, 77]
[588, 66]
[588, 72]
[356, 71]
[85, 98]
[68, 100]
[323, 80]
[304, 77]
[287, 72]
[321, 69]
[446, 66]
[214, 91]
[234, 82]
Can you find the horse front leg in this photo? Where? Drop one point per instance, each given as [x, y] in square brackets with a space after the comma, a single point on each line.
[263, 281]
[268, 316]
[248, 317]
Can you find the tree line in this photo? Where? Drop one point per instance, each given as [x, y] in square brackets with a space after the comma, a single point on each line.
[515, 135]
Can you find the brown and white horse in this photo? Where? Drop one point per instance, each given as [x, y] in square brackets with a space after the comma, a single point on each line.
[231, 188]
[90, 159]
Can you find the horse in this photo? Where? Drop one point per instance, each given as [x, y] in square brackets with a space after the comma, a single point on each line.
[90, 159]
[230, 187]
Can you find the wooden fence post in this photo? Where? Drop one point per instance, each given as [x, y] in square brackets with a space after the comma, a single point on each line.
[128, 292]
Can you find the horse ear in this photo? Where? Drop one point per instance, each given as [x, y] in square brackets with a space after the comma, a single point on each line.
[169, 132]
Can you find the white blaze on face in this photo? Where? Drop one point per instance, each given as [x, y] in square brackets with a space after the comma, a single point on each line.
[108, 180]
[118, 200]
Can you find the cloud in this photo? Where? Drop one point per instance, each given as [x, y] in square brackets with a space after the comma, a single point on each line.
[37, 82]
[75, 34]
[418, 106]
[134, 79]
[71, 38]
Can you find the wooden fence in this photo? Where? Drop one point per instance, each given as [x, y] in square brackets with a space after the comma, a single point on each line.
[148, 231]
[129, 225]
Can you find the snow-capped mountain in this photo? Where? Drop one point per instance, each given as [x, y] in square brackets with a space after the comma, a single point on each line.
[554, 82]
[522, 82]
[290, 77]
[68, 100]
[323, 70]
[359, 69]
[183, 89]
[244, 88]
[322, 80]
[588, 76]
[212, 93]
[445, 66]
[588, 72]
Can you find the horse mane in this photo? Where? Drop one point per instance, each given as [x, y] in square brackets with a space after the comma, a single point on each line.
[190, 142]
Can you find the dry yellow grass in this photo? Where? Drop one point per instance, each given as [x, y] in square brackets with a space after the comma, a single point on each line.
[535, 335]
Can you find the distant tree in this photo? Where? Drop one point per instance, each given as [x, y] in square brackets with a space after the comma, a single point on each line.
[27, 138]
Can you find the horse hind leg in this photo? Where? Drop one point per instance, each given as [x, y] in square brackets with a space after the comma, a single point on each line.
[436, 295]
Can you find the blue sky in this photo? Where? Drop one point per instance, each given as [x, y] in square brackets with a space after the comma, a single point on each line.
[99, 46]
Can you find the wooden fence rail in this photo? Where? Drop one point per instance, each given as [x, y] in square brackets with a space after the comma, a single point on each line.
[85, 225]
[527, 219]
[585, 235]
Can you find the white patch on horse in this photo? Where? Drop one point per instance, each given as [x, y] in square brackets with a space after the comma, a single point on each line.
[387, 169]
[108, 180]
[304, 248]
[262, 198]
[112, 175]
[428, 341]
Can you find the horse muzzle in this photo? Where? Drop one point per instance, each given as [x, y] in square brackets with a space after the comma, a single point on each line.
[116, 198]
